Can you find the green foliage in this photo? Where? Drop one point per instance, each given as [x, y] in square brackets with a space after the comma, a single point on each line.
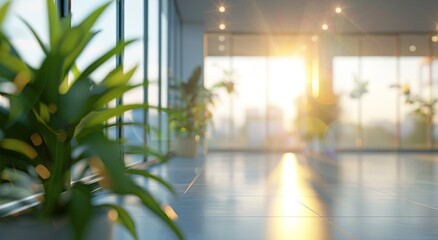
[56, 116]
[424, 110]
[360, 88]
[193, 112]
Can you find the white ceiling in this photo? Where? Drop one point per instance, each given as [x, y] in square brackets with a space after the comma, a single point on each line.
[294, 16]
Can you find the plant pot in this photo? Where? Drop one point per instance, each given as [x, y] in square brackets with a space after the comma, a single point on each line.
[186, 147]
[203, 147]
[27, 227]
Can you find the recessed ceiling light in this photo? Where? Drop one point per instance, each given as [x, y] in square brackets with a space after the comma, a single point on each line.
[221, 48]
[338, 10]
[435, 38]
[324, 26]
[221, 38]
[222, 26]
[221, 9]
[314, 38]
[412, 48]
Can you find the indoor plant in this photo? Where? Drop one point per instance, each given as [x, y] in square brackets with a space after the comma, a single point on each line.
[56, 117]
[424, 109]
[193, 111]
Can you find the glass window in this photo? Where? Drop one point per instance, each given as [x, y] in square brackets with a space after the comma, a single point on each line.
[345, 71]
[379, 104]
[164, 75]
[249, 101]
[103, 41]
[153, 68]
[286, 82]
[219, 133]
[133, 56]
[414, 127]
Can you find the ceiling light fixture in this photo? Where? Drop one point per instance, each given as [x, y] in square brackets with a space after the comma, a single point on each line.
[314, 38]
[222, 26]
[412, 48]
[338, 10]
[324, 27]
[221, 38]
[222, 9]
[435, 38]
[221, 48]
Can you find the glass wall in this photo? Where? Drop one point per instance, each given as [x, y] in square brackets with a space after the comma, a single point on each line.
[270, 76]
[153, 71]
[133, 57]
[156, 26]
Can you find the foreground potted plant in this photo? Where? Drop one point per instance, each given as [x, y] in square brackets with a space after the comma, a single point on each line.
[56, 117]
[193, 112]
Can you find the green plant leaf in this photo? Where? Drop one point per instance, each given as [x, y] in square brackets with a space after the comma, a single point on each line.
[117, 77]
[99, 117]
[3, 11]
[40, 42]
[19, 146]
[105, 57]
[123, 218]
[54, 24]
[77, 102]
[74, 46]
[80, 209]
[13, 63]
[49, 78]
[144, 150]
[88, 23]
[110, 153]
[151, 176]
[152, 205]
[112, 94]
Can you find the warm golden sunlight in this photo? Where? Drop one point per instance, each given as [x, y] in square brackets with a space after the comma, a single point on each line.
[290, 178]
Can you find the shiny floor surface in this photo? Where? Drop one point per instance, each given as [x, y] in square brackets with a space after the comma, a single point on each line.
[249, 196]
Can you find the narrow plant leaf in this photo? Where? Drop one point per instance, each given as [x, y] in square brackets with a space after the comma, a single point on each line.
[54, 24]
[151, 176]
[13, 63]
[49, 77]
[105, 57]
[40, 42]
[77, 102]
[91, 19]
[144, 150]
[152, 205]
[123, 218]
[80, 209]
[110, 154]
[112, 94]
[78, 48]
[3, 11]
[99, 117]
[118, 77]
[19, 146]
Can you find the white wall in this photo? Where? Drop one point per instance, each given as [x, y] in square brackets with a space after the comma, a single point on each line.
[192, 47]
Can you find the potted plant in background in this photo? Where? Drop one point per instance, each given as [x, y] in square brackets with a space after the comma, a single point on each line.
[55, 117]
[193, 111]
[424, 110]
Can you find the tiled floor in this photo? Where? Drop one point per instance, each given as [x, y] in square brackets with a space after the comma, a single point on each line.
[245, 196]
